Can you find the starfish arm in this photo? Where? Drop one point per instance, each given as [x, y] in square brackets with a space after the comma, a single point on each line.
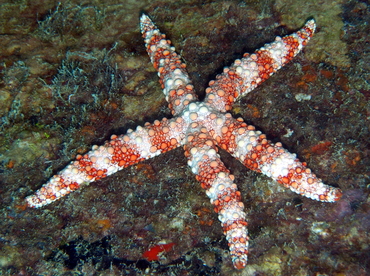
[246, 74]
[177, 87]
[121, 151]
[257, 153]
[216, 179]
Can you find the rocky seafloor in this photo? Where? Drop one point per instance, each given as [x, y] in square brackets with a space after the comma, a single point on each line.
[72, 74]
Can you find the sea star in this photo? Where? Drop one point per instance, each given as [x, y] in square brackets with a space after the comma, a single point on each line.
[202, 127]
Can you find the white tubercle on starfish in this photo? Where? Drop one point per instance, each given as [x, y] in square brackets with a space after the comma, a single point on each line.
[202, 127]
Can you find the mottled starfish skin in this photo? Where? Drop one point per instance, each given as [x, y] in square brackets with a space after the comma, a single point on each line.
[202, 127]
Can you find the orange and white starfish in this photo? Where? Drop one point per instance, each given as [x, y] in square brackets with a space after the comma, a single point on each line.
[201, 128]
